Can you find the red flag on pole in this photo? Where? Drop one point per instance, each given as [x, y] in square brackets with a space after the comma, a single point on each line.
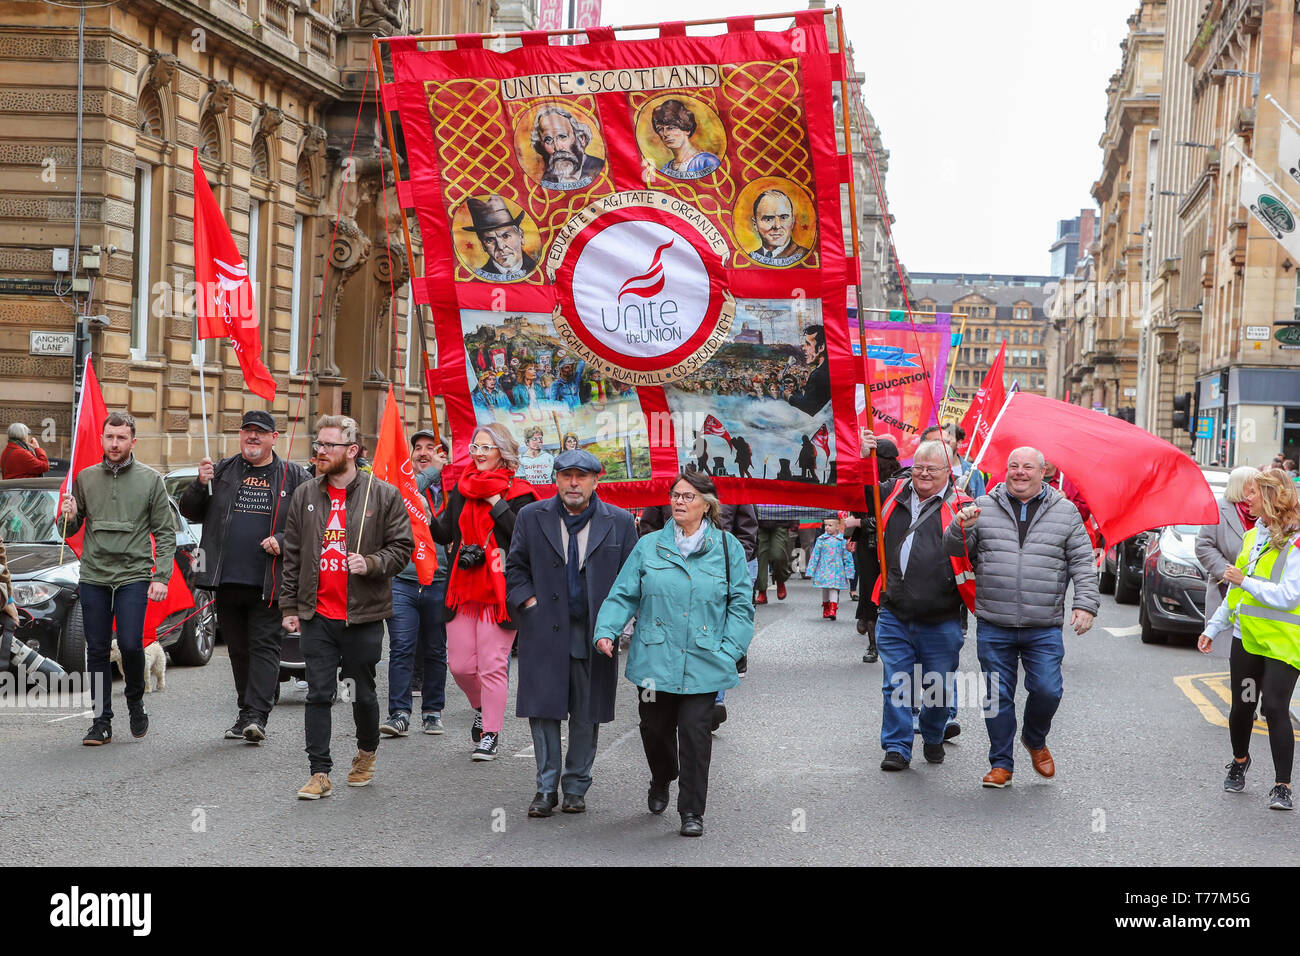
[225, 299]
[392, 464]
[1132, 480]
[179, 598]
[87, 446]
[713, 426]
[984, 409]
[822, 439]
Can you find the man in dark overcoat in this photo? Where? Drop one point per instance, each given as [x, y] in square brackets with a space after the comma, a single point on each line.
[564, 556]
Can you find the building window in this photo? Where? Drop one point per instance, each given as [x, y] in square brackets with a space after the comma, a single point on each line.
[255, 208]
[140, 256]
[295, 304]
[1021, 312]
[410, 356]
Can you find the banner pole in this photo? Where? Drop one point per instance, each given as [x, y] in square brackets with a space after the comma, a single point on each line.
[952, 361]
[72, 456]
[975, 465]
[964, 481]
[1289, 118]
[1259, 171]
[845, 93]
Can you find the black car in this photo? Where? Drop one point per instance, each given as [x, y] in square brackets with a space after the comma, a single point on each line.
[1121, 569]
[45, 578]
[1173, 586]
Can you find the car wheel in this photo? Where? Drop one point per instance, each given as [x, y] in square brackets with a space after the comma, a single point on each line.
[72, 648]
[198, 637]
[1105, 580]
[1149, 634]
[1126, 590]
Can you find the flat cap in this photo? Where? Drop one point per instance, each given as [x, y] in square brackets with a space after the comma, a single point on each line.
[580, 459]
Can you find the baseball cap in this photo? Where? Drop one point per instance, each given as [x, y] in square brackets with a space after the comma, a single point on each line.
[580, 459]
[258, 419]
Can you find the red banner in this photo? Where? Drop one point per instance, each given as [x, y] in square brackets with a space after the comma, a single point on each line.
[626, 237]
[984, 409]
[905, 366]
[392, 463]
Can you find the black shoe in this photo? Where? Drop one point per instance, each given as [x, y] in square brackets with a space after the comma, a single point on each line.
[1235, 782]
[692, 825]
[100, 733]
[742, 665]
[236, 731]
[870, 657]
[933, 753]
[476, 731]
[254, 732]
[951, 731]
[574, 803]
[543, 804]
[719, 717]
[486, 749]
[657, 798]
[139, 720]
[894, 761]
[1279, 798]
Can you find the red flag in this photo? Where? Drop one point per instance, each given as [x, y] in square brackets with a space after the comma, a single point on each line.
[1132, 480]
[87, 445]
[822, 439]
[714, 427]
[393, 465]
[179, 598]
[986, 405]
[225, 299]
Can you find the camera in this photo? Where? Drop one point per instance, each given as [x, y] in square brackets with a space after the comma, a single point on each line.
[470, 556]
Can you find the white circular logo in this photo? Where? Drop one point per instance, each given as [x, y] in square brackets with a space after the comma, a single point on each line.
[641, 289]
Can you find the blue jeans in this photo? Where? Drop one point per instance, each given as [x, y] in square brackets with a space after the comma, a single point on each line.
[100, 607]
[915, 655]
[1000, 650]
[417, 619]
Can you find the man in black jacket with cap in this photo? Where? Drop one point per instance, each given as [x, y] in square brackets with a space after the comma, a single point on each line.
[242, 502]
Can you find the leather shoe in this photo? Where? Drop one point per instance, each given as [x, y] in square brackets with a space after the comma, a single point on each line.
[574, 803]
[760, 597]
[933, 753]
[692, 825]
[544, 803]
[998, 778]
[1042, 760]
[780, 590]
[657, 798]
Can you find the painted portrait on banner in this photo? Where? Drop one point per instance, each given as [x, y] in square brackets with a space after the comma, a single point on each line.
[681, 136]
[558, 145]
[496, 239]
[775, 222]
[761, 407]
[522, 375]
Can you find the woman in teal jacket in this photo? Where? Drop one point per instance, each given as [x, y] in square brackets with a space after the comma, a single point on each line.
[688, 587]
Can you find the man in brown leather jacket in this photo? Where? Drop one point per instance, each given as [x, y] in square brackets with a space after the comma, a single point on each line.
[348, 534]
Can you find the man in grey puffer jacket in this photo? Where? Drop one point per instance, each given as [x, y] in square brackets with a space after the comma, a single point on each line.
[1026, 550]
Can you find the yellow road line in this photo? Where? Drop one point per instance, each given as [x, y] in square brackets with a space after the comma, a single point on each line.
[1217, 683]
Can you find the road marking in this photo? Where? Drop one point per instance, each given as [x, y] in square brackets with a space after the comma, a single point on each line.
[87, 713]
[1124, 631]
[1217, 684]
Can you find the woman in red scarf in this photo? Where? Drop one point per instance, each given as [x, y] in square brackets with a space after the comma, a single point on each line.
[476, 526]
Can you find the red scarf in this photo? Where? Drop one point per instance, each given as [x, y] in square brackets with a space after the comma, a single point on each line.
[1247, 519]
[485, 584]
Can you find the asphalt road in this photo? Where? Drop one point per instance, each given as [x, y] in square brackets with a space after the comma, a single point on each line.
[795, 776]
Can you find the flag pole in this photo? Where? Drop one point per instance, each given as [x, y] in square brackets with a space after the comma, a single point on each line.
[1289, 118]
[1259, 171]
[201, 356]
[845, 92]
[964, 481]
[975, 465]
[952, 361]
[72, 456]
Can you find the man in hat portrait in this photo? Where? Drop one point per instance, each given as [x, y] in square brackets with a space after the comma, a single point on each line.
[502, 239]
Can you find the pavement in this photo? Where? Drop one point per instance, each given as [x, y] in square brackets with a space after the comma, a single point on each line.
[1140, 744]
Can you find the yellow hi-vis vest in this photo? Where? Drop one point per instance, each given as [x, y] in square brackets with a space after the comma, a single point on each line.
[1266, 630]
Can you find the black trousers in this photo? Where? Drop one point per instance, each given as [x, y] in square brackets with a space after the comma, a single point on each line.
[327, 646]
[252, 632]
[677, 740]
[1268, 683]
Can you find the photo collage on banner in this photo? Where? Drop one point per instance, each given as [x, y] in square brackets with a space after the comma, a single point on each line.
[628, 245]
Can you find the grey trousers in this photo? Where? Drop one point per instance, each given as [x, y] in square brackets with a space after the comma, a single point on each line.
[547, 747]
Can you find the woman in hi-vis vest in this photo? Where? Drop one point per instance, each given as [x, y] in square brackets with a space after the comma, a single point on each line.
[1262, 611]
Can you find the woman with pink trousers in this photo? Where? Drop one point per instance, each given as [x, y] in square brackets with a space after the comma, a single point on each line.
[476, 526]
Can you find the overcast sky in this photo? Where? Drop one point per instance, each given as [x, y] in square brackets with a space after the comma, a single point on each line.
[991, 112]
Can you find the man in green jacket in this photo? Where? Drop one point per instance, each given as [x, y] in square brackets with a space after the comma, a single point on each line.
[121, 503]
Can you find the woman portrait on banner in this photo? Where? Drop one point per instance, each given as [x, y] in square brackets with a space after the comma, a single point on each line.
[675, 125]
[688, 587]
[476, 525]
[1261, 613]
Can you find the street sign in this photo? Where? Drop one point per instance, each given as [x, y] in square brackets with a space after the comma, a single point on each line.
[1204, 426]
[1130, 392]
[50, 343]
[28, 287]
[1257, 333]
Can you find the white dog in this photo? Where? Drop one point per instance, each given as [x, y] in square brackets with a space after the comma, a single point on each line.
[155, 665]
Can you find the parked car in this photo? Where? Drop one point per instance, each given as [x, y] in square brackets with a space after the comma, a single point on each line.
[46, 574]
[1173, 585]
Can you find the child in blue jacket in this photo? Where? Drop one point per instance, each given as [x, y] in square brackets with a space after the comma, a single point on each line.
[831, 566]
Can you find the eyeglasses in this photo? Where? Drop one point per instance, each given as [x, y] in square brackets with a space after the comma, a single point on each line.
[929, 469]
[331, 445]
[476, 449]
[685, 497]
